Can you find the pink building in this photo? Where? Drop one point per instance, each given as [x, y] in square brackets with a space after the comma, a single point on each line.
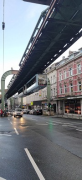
[69, 84]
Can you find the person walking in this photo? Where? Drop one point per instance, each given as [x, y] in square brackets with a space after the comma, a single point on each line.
[1, 112]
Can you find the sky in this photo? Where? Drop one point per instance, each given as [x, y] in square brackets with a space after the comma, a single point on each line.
[20, 20]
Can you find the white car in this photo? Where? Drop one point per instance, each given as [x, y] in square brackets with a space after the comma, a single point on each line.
[25, 111]
[18, 112]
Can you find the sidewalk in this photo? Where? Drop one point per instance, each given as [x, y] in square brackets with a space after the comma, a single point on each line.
[71, 116]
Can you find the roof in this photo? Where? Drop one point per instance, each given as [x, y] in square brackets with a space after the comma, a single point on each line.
[60, 28]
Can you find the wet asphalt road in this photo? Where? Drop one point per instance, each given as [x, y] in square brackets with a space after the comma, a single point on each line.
[40, 148]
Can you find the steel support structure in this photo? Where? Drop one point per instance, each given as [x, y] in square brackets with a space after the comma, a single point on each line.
[7, 73]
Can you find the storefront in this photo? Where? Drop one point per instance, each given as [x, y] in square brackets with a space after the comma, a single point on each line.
[36, 105]
[73, 106]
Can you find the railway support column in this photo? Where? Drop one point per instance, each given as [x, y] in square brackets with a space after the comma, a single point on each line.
[21, 102]
[10, 72]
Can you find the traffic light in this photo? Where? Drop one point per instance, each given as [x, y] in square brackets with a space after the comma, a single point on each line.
[3, 25]
[49, 105]
[5, 104]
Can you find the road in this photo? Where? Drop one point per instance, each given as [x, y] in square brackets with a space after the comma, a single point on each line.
[40, 148]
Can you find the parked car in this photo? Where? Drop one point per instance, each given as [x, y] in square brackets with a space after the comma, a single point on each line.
[32, 111]
[18, 112]
[10, 112]
[38, 112]
[25, 111]
[28, 111]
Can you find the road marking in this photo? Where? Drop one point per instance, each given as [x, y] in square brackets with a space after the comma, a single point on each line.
[16, 131]
[72, 126]
[79, 129]
[11, 122]
[5, 135]
[64, 125]
[42, 124]
[2, 178]
[54, 124]
[34, 165]
[57, 122]
[33, 119]
[68, 124]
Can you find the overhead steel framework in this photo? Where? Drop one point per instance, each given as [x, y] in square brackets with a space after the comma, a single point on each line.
[57, 29]
[44, 2]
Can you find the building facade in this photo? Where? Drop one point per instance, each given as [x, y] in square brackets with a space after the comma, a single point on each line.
[39, 99]
[65, 79]
[69, 84]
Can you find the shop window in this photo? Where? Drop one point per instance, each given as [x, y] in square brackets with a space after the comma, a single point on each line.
[79, 85]
[79, 68]
[71, 87]
[73, 106]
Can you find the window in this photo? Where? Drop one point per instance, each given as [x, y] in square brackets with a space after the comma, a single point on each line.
[51, 93]
[65, 89]
[79, 68]
[53, 78]
[64, 74]
[60, 89]
[79, 86]
[60, 76]
[43, 94]
[71, 87]
[54, 92]
[70, 72]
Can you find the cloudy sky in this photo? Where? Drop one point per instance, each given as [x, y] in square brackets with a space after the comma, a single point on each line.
[20, 19]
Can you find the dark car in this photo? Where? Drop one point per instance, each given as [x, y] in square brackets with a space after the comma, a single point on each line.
[28, 111]
[38, 112]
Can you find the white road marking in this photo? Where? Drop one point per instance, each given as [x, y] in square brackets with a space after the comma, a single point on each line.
[68, 124]
[41, 124]
[57, 122]
[72, 126]
[2, 178]
[64, 125]
[33, 119]
[5, 135]
[34, 165]
[54, 124]
[16, 131]
[79, 129]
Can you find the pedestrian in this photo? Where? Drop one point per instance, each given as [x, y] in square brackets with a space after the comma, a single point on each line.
[1, 112]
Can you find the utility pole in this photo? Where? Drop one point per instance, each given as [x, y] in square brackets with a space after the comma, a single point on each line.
[3, 27]
[48, 94]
